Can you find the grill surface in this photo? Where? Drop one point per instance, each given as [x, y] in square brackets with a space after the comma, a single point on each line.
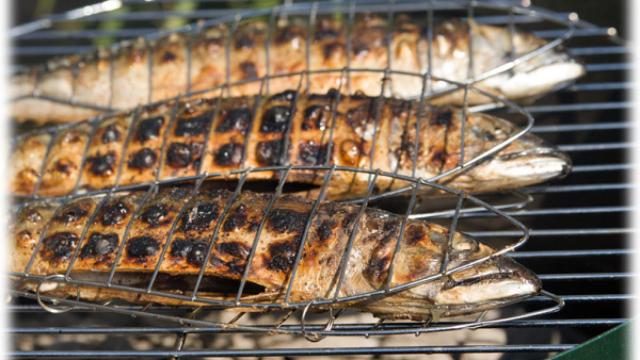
[578, 226]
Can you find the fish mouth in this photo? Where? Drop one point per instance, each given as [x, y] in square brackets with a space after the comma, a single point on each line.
[528, 165]
[504, 282]
[550, 75]
[541, 163]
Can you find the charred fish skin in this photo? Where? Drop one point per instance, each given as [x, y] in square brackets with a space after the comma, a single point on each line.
[174, 140]
[330, 46]
[366, 266]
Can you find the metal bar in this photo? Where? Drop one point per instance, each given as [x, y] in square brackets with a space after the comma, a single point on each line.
[578, 188]
[601, 167]
[596, 322]
[588, 298]
[597, 146]
[586, 276]
[125, 33]
[555, 232]
[599, 67]
[245, 274]
[125, 236]
[334, 351]
[581, 127]
[572, 253]
[346, 254]
[305, 234]
[185, 204]
[585, 106]
[598, 50]
[216, 230]
[602, 86]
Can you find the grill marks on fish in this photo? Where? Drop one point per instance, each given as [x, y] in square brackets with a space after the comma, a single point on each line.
[371, 38]
[193, 242]
[175, 140]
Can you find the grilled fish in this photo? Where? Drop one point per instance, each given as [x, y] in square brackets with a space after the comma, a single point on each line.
[132, 231]
[176, 139]
[140, 72]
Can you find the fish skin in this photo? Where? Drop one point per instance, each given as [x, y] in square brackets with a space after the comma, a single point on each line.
[86, 79]
[487, 285]
[173, 140]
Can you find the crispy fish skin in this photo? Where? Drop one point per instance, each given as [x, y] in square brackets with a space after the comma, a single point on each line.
[487, 285]
[173, 140]
[217, 56]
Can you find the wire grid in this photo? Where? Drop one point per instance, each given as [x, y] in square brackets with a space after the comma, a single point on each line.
[589, 228]
[464, 163]
[320, 302]
[311, 11]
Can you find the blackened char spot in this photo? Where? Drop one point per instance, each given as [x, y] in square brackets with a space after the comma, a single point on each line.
[282, 254]
[275, 119]
[440, 157]
[155, 215]
[198, 253]
[59, 245]
[196, 125]
[138, 248]
[236, 250]
[325, 229]
[248, 70]
[142, 159]
[325, 31]
[149, 128]
[63, 166]
[180, 155]
[228, 154]
[199, 217]
[414, 234]
[331, 48]
[285, 220]
[110, 134]
[102, 164]
[348, 219]
[99, 245]
[168, 56]
[269, 152]
[236, 219]
[235, 119]
[243, 40]
[358, 46]
[113, 213]
[312, 154]
[180, 248]
[288, 33]
[69, 214]
[314, 117]
[441, 117]
[377, 268]
[287, 95]
[193, 250]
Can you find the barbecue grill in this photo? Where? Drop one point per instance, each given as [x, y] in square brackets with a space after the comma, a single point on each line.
[577, 243]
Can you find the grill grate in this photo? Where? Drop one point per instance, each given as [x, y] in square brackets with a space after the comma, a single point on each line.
[568, 232]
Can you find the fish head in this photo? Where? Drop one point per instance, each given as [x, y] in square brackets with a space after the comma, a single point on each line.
[489, 283]
[525, 161]
[540, 69]
[475, 279]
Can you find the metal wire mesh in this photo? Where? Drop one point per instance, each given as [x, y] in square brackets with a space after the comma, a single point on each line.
[567, 230]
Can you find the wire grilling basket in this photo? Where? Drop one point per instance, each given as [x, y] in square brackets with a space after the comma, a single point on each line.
[330, 324]
[286, 303]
